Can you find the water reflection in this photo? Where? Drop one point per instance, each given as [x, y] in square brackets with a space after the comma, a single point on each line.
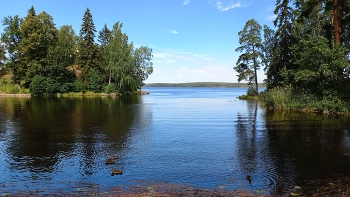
[306, 146]
[282, 149]
[49, 135]
[201, 137]
[246, 137]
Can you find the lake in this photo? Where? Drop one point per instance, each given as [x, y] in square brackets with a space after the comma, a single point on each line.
[197, 137]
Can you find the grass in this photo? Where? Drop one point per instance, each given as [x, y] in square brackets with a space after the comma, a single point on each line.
[301, 100]
[247, 97]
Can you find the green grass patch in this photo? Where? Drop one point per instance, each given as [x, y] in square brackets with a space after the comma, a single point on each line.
[302, 100]
[247, 97]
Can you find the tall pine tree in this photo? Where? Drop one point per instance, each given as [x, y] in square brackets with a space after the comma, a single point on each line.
[249, 61]
[87, 57]
[283, 40]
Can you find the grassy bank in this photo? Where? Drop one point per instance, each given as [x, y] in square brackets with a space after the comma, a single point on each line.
[300, 100]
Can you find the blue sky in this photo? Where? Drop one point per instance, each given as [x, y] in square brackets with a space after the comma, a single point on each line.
[192, 40]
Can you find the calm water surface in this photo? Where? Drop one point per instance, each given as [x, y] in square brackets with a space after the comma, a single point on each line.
[200, 137]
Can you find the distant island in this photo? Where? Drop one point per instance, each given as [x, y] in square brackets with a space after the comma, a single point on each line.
[202, 84]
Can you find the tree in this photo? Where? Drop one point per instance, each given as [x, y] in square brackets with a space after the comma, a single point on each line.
[283, 40]
[60, 57]
[104, 39]
[142, 58]
[64, 51]
[251, 46]
[120, 65]
[87, 57]
[103, 36]
[2, 55]
[38, 33]
[320, 66]
[11, 38]
[268, 46]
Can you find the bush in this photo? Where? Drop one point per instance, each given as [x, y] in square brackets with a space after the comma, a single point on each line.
[251, 91]
[110, 88]
[38, 85]
[95, 82]
[52, 86]
[79, 86]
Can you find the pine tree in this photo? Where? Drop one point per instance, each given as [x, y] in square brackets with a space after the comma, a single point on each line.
[87, 57]
[249, 62]
[104, 39]
[283, 40]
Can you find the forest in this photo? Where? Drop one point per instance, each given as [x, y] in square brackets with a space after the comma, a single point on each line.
[305, 55]
[48, 60]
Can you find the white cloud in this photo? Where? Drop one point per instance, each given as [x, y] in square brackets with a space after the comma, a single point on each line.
[270, 17]
[179, 66]
[185, 2]
[173, 31]
[229, 6]
[206, 73]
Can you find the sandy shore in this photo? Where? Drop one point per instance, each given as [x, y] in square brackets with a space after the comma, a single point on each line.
[15, 95]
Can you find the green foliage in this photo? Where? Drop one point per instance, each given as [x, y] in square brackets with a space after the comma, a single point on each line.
[4, 83]
[87, 57]
[251, 45]
[79, 86]
[38, 33]
[319, 66]
[95, 81]
[110, 88]
[13, 90]
[283, 39]
[142, 58]
[63, 52]
[38, 85]
[301, 100]
[38, 51]
[251, 91]
[2, 56]
[11, 38]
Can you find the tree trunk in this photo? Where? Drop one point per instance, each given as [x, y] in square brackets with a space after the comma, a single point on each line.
[255, 75]
[336, 19]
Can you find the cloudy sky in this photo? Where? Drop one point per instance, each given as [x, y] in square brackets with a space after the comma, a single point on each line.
[192, 40]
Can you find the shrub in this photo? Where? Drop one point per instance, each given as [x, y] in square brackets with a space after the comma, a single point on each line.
[251, 91]
[110, 88]
[79, 86]
[95, 82]
[38, 85]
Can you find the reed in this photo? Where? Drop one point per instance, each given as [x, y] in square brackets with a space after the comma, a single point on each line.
[302, 100]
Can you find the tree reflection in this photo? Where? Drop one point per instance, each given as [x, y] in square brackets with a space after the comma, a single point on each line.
[246, 136]
[42, 132]
[306, 146]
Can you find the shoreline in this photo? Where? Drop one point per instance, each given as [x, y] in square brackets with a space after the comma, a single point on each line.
[14, 95]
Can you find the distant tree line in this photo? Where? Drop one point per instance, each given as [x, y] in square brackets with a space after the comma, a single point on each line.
[50, 60]
[201, 84]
